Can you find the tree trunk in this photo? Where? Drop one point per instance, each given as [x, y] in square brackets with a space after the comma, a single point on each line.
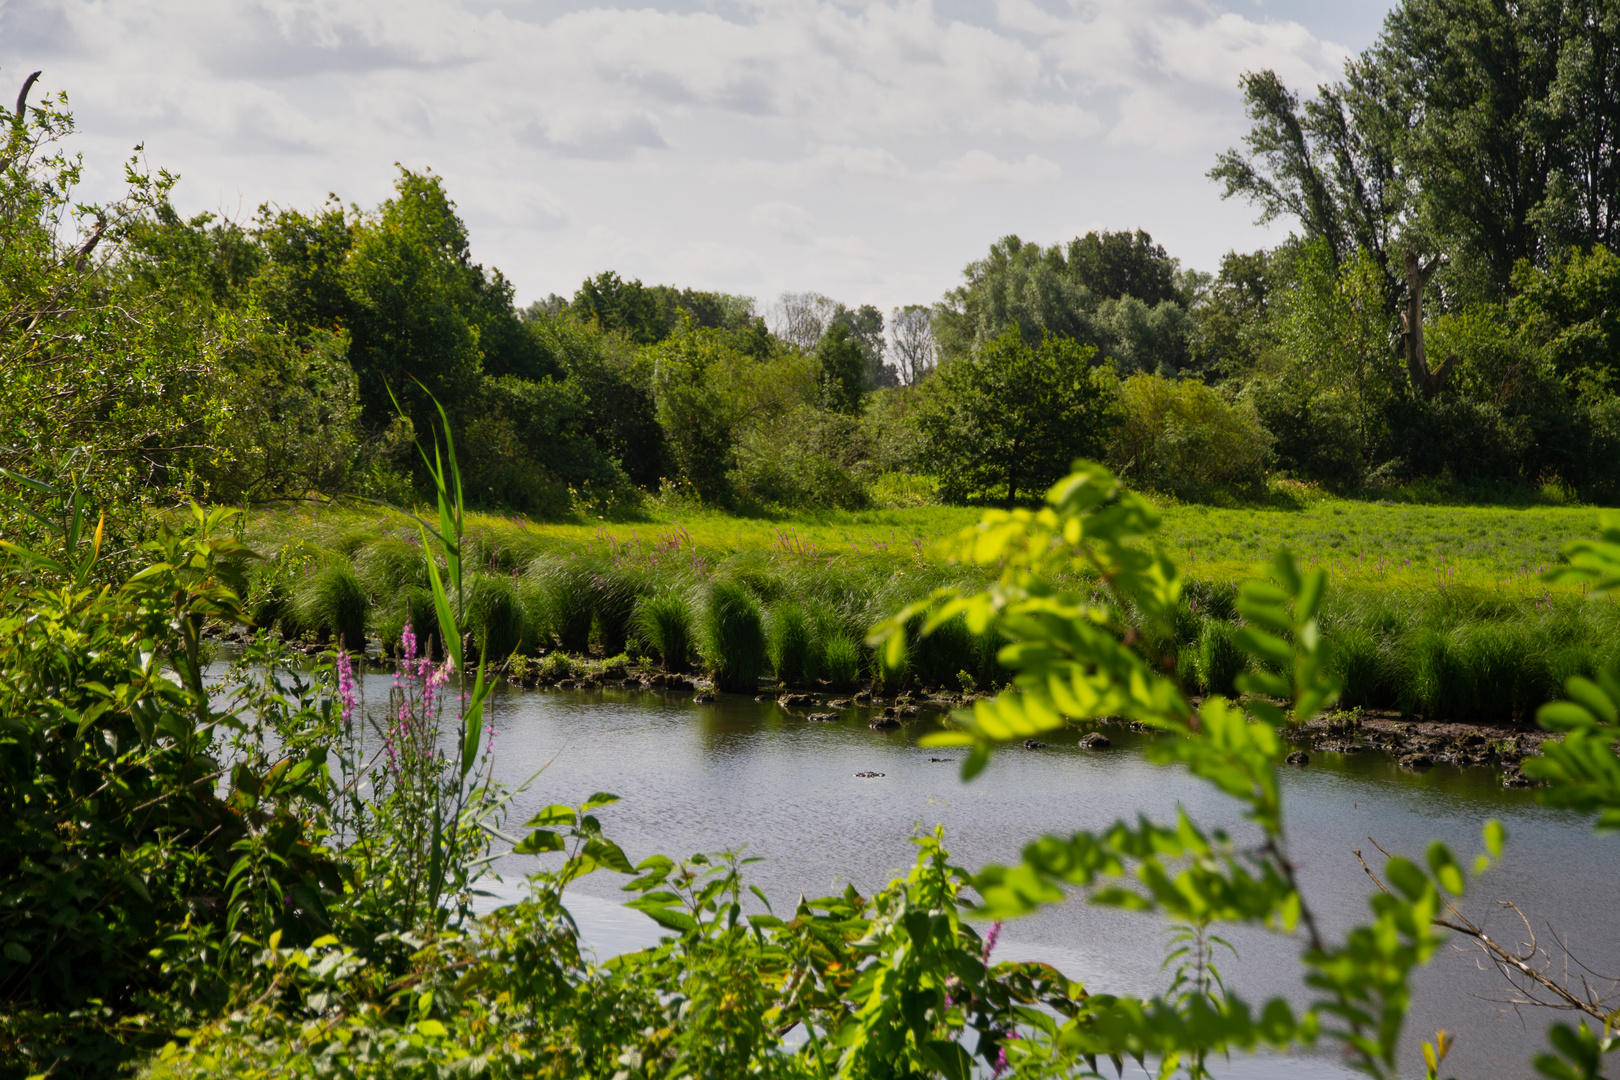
[1425, 382]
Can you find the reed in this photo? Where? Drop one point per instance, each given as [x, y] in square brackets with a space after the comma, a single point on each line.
[734, 637]
[614, 592]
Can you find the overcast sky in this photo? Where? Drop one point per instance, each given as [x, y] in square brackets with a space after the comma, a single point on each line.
[866, 151]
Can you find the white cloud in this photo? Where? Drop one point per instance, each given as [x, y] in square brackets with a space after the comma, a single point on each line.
[979, 167]
[686, 137]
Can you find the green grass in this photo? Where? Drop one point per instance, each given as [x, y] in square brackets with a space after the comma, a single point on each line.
[1438, 610]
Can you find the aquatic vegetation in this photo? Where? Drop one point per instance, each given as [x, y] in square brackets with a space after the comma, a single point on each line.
[664, 620]
[734, 645]
[794, 653]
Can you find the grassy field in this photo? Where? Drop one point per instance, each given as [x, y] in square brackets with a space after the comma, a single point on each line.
[1439, 611]
[1361, 543]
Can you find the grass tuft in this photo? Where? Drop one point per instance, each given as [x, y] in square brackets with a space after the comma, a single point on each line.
[734, 637]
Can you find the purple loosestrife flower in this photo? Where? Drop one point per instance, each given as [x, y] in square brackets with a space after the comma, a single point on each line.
[990, 939]
[346, 686]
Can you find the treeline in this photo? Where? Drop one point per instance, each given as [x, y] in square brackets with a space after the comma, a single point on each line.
[1444, 312]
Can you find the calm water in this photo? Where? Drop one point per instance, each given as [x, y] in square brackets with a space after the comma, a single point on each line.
[705, 778]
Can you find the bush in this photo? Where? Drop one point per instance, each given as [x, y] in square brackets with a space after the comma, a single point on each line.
[1185, 439]
[793, 646]
[806, 458]
[734, 638]
[665, 622]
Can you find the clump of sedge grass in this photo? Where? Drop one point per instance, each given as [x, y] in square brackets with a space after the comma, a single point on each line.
[734, 637]
[1220, 661]
[841, 661]
[495, 616]
[793, 645]
[664, 620]
[333, 604]
[568, 596]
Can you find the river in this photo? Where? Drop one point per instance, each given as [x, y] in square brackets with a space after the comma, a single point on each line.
[706, 778]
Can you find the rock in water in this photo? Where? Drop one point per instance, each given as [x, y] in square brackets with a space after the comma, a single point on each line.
[1298, 757]
[824, 717]
[1096, 740]
[1034, 744]
[702, 699]
[868, 775]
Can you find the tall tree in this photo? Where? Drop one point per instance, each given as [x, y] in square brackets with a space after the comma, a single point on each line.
[843, 369]
[1328, 162]
[911, 341]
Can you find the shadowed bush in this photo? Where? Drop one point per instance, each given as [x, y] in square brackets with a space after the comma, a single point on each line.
[734, 637]
[793, 646]
[495, 616]
[333, 605]
[665, 622]
[841, 661]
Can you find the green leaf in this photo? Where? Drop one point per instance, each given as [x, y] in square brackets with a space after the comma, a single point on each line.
[555, 814]
[432, 1029]
[668, 918]
[538, 842]
[1495, 836]
[601, 798]
[16, 953]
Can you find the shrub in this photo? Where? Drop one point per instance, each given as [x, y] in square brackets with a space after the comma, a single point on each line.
[1185, 439]
[793, 651]
[734, 637]
[665, 622]
[1364, 669]
[806, 458]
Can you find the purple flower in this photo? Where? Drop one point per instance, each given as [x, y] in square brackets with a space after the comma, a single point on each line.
[990, 939]
[346, 687]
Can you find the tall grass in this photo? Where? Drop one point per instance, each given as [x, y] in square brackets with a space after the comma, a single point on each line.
[332, 604]
[664, 620]
[733, 637]
[614, 592]
[567, 593]
[495, 616]
[841, 660]
[794, 655]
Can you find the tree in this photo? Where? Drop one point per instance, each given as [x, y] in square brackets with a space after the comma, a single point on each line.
[1008, 422]
[911, 342]
[843, 369]
[1116, 264]
[1074, 293]
[1330, 163]
[698, 417]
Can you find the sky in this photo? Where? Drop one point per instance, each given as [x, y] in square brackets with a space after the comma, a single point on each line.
[866, 151]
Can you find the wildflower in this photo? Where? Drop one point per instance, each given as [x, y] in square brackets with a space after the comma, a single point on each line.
[346, 688]
[990, 939]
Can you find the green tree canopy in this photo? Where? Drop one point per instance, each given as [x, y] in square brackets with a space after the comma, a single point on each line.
[843, 369]
[1007, 422]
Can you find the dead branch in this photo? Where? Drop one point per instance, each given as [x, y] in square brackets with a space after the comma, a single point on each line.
[1526, 969]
